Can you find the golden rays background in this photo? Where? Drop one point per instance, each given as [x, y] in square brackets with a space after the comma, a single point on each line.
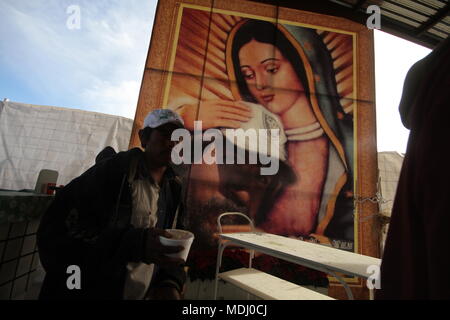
[187, 83]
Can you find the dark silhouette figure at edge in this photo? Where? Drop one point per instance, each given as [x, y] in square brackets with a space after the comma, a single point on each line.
[416, 260]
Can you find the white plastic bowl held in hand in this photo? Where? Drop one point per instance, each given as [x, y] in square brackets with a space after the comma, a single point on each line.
[179, 238]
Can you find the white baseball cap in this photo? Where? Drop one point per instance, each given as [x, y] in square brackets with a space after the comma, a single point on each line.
[158, 117]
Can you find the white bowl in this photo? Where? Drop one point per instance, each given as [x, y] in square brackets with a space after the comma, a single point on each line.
[179, 238]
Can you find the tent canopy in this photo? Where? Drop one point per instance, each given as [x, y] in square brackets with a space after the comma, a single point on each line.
[425, 22]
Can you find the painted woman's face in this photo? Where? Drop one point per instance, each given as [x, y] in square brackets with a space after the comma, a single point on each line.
[270, 77]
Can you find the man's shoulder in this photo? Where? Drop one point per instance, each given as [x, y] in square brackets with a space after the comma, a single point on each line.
[122, 159]
[129, 154]
[174, 174]
[116, 164]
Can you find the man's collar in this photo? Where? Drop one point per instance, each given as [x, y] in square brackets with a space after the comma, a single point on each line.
[142, 171]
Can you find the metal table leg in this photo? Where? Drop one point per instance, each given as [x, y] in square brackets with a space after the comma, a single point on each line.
[342, 281]
[220, 250]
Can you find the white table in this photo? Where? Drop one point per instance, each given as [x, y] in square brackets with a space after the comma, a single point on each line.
[311, 255]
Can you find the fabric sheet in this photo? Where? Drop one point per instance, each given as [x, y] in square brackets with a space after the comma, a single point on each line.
[42, 137]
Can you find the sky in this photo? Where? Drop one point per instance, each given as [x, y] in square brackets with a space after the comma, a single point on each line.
[97, 67]
[393, 58]
[50, 57]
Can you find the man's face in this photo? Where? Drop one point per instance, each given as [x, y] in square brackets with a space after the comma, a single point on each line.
[158, 146]
[215, 189]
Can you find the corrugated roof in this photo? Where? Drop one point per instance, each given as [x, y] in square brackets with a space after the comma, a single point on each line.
[426, 22]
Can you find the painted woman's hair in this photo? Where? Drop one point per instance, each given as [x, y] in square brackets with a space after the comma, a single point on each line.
[265, 32]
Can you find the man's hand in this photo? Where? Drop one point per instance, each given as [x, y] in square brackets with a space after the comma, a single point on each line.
[155, 252]
[163, 293]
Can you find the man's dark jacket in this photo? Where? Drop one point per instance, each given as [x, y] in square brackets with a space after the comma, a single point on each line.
[88, 225]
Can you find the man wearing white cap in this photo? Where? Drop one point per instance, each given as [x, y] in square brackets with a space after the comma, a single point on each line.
[106, 224]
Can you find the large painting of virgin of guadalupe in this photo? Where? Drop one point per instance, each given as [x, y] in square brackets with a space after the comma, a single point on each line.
[246, 73]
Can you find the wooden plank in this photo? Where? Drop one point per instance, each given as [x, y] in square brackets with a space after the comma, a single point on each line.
[268, 287]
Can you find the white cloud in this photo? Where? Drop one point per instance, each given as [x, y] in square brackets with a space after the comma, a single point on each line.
[393, 58]
[118, 99]
[98, 67]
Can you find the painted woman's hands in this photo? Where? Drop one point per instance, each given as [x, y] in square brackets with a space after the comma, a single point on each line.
[215, 113]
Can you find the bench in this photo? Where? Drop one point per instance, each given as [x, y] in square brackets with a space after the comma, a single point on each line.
[268, 287]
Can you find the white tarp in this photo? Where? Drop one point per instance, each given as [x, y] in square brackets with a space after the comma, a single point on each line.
[42, 137]
[389, 167]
